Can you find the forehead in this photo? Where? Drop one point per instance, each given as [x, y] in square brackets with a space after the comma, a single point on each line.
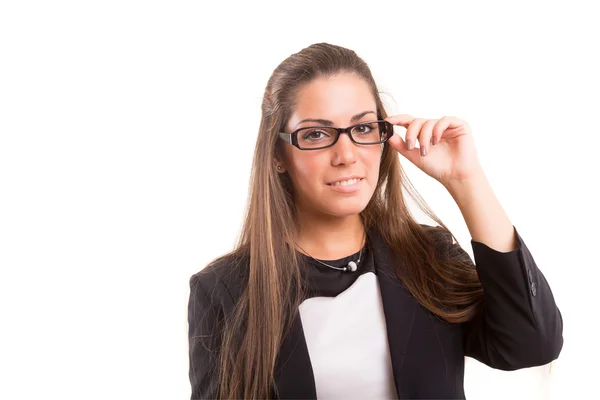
[336, 98]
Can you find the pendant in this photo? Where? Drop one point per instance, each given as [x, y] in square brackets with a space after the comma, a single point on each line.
[352, 265]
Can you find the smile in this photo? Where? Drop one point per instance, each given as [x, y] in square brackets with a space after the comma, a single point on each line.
[346, 186]
[345, 183]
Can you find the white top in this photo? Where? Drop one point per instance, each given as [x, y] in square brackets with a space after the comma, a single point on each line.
[347, 342]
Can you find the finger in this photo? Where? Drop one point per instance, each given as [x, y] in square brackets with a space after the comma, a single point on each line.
[425, 136]
[400, 119]
[441, 126]
[412, 132]
[399, 145]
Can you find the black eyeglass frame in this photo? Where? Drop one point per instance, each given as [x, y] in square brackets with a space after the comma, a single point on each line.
[292, 138]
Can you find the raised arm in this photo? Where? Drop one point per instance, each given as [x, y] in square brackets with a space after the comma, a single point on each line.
[520, 325]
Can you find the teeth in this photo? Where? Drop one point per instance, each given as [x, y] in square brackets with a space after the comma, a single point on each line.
[345, 183]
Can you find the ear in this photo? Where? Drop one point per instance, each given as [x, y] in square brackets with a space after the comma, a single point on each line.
[279, 165]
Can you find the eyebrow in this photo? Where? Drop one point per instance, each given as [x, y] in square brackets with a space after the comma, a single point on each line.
[326, 122]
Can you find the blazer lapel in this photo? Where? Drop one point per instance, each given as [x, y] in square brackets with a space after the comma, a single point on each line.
[399, 306]
[294, 378]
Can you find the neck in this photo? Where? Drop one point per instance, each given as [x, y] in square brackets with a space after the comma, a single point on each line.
[327, 237]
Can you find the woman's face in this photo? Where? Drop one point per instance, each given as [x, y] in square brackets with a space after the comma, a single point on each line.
[344, 100]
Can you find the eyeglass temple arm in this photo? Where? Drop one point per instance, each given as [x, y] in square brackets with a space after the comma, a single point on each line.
[286, 136]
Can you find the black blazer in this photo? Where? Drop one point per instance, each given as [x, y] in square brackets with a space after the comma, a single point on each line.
[520, 326]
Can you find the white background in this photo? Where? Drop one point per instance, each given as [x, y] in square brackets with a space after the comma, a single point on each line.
[112, 194]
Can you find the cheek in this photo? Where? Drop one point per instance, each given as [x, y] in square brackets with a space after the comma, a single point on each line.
[372, 160]
[307, 170]
[372, 164]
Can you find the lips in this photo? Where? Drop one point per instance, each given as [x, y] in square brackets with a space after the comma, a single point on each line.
[345, 180]
[347, 186]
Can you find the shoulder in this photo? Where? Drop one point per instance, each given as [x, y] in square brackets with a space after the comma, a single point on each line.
[222, 280]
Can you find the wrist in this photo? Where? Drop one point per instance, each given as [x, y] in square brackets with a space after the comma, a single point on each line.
[460, 186]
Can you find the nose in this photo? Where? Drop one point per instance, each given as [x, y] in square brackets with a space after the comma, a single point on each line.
[344, 151]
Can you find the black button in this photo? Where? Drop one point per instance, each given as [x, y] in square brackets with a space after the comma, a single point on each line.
[533, 289]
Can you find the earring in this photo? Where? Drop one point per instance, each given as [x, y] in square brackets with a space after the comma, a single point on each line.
[279, 168]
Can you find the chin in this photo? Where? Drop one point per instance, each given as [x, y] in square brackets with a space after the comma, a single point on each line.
[345, 209]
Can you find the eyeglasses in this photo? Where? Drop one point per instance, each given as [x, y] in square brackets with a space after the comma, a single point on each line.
[321, 137]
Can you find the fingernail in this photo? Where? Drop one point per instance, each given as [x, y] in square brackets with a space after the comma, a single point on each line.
[423, 151]
[409, 144]
[434, 140]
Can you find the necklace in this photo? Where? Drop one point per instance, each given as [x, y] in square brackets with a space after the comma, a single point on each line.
[352, 265]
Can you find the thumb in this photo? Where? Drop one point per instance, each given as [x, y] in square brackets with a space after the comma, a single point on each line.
[399, 145]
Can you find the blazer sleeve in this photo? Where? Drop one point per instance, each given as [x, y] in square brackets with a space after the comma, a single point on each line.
[204, 317]
[520, 325]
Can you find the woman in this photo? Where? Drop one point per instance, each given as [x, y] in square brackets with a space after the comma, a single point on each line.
[334, 290]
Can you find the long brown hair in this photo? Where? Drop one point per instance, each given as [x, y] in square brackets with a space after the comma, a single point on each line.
[253, 333]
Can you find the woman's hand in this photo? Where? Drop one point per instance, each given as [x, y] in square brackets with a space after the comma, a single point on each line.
[447, 150]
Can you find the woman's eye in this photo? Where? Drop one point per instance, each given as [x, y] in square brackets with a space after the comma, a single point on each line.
[314, 135]
[363, 129]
